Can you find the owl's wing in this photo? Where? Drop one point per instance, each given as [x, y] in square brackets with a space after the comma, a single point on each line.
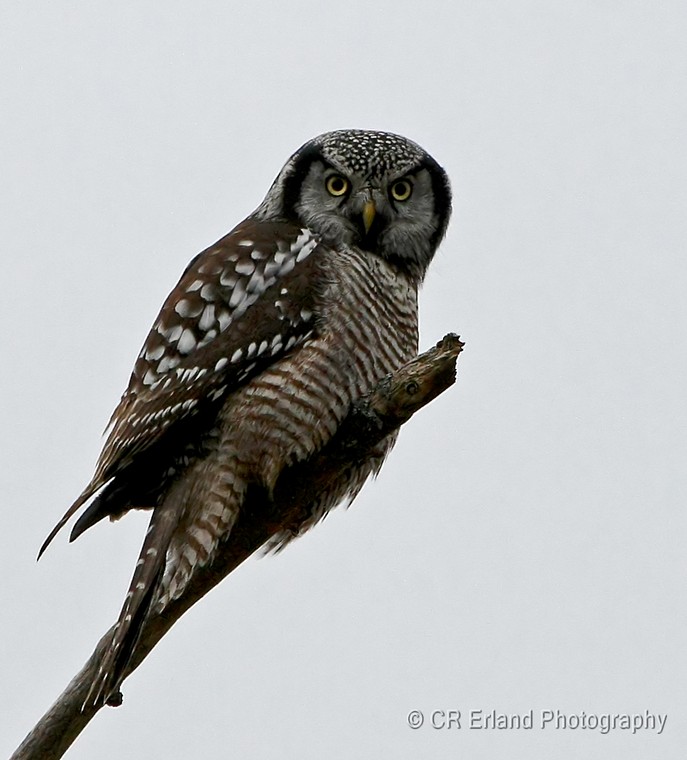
[240, 305]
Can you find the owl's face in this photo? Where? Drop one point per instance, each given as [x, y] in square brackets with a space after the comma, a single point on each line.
[374, 190]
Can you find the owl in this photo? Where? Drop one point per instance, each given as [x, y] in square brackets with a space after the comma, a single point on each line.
[257, 355]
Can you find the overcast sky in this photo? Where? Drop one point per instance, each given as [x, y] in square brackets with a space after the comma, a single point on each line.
[524, 546]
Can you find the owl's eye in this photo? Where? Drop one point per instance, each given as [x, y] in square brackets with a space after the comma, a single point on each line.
[401, 190]
[337, 185]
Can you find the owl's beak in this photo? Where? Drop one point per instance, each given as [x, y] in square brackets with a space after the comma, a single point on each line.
[369, 211]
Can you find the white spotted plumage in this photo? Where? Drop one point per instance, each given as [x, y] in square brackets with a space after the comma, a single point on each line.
[256, 357]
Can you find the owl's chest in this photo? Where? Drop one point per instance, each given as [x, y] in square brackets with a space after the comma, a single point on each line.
[366, 327]
[367, 317]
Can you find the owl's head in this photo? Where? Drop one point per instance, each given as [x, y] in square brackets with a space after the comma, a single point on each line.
[375, 190]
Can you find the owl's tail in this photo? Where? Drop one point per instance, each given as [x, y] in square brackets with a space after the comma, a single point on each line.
[142, 590]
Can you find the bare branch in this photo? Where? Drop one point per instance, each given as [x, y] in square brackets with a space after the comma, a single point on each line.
[393, 402]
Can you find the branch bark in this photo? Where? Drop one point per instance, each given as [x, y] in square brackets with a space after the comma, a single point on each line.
[395, 399]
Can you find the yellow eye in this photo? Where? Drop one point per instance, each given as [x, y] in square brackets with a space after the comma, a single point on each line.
[337, 185]
[401, 190]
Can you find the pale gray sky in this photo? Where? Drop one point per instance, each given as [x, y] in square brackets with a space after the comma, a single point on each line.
[524, 546]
